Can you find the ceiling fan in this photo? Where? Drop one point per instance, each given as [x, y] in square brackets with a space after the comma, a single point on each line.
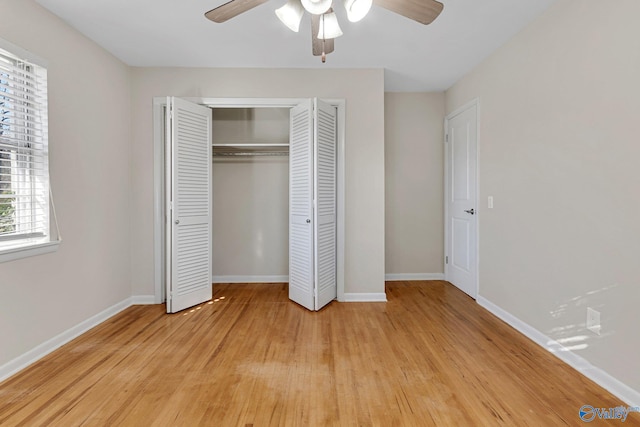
[324, 23]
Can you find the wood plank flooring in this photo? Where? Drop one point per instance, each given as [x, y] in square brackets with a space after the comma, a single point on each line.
[430, 356]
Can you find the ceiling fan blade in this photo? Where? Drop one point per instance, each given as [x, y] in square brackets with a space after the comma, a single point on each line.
[422, 11]
[316, 43]
[230, 9]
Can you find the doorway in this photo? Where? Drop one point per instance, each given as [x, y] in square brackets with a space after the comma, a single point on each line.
[159, 175]
[250, 194]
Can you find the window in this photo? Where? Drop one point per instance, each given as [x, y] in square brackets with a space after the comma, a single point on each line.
[24, 171]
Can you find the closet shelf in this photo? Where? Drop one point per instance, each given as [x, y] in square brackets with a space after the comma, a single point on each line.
[249, 149]
[255, 153]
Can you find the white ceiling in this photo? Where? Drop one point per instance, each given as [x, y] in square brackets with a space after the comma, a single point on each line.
[415, 57]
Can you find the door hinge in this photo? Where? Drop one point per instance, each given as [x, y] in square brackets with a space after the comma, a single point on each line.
[446, 260]
[446, 138]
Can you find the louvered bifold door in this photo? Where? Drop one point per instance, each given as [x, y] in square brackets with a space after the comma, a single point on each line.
[301, 272]
[189, 204]
[325, 126]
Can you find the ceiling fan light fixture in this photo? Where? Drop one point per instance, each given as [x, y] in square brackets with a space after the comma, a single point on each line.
[291, 14]
[316, 7]
[357, 9]
[329, 27]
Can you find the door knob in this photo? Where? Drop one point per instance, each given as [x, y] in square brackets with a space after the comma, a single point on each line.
[177, 221]
[308, 221]
[470, 211]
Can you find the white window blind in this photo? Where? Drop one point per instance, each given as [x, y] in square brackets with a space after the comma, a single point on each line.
[24, 174]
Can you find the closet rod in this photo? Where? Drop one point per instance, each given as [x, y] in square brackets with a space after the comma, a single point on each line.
[252, 153]
[245, 145]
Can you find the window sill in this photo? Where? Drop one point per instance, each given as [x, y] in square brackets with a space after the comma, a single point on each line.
[28, 250]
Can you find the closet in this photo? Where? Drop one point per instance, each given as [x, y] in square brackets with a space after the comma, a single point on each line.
[189, 201]
[250, 194]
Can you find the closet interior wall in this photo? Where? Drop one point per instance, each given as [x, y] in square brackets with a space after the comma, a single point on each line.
[250, 195]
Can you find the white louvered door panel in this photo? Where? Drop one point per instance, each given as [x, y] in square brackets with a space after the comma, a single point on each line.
[325, 139]
[301, 272]
[189, 222]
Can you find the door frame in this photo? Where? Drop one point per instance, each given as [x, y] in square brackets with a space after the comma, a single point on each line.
[159, 105]
[475, 103]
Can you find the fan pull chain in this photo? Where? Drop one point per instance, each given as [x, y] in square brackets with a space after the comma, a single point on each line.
[324, 55]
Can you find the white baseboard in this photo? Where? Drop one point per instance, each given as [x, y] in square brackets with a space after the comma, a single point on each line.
[625, 393]
[414, 276]
[143, 300]
[358, 297]
[249, 279]
[19, 363]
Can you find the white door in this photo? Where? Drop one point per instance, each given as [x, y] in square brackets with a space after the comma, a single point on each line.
[312, 204]
[301, 258]
[325, 223]
[461, 267]
[188, 204]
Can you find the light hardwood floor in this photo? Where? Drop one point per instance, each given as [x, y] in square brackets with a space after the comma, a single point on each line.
[430, 356]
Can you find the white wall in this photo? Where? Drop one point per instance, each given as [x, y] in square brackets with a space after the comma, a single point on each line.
[250, 196]
[89, 144]
[364, 156]
[559, 152]
[251, 125]
[414, 236]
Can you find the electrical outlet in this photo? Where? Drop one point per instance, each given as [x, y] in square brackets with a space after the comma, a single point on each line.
[593, 320]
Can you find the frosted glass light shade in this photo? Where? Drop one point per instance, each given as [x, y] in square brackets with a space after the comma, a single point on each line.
[316, 7]
[291, 14]
[357, 9]
[329, 27]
